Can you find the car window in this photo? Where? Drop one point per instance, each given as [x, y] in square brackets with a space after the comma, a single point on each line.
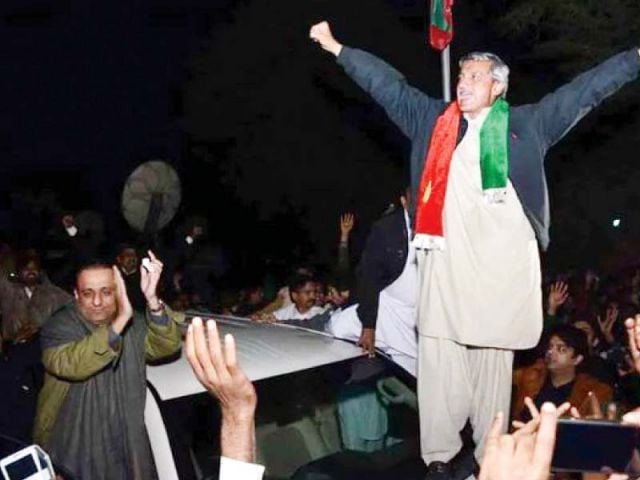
[330, 417]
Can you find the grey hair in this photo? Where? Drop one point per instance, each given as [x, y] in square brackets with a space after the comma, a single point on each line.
[499, 69]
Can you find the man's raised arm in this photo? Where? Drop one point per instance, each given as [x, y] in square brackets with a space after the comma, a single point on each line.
[220, 373]
[405, 105]
[561, 110]
[321, 34]
[163, 334]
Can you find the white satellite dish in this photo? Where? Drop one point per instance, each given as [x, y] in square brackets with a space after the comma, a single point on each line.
[151, 197]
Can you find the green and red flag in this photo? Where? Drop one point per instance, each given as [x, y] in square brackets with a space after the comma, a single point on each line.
[441, 24]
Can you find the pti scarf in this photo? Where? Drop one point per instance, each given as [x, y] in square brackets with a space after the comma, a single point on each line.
[494, 168]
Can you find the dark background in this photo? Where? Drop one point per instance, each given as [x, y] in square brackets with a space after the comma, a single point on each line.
[270, 138]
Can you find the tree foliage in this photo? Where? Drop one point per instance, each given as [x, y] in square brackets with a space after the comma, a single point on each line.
[573, 33]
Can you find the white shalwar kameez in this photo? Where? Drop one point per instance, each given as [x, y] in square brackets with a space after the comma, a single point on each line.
[480, 299]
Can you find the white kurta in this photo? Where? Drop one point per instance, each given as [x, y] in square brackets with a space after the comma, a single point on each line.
[484, 288]
[231, 469]
[291, 312]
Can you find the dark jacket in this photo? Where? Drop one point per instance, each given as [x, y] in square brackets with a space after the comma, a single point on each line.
[383, 259]
[90, 415]
[533, 128]
[21, 313]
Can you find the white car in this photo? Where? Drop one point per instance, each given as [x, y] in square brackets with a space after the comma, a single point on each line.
[322, 407]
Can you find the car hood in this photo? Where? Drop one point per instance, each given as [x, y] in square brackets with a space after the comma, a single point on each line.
[264, 351]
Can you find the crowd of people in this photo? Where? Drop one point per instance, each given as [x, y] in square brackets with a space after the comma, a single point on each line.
[582, 357]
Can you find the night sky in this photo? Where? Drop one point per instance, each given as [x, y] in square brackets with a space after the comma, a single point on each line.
[89, 87]
[272, 141]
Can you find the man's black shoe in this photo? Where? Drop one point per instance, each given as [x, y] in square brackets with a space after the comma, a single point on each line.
[438, 471]
[464, 464]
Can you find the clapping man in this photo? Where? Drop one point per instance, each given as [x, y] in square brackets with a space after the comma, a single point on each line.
[91, 409]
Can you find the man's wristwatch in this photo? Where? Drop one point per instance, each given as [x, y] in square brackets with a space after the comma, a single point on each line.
[158, 310]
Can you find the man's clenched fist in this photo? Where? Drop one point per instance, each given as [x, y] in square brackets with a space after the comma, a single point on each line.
[321, 33]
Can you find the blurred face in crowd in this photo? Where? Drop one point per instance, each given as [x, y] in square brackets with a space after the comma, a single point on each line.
[181, 302]
[560, 357]
[255, 296]
[305, 297]
[128, 260]
[591, 279]
[29, 275]
[320, 294]
[476, 88]
[96, 295]
[68, 221]
[336, 297]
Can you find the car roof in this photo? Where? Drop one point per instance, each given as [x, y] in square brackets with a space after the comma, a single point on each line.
[264, 351]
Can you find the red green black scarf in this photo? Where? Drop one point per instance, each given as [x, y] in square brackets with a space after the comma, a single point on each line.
[494, 167]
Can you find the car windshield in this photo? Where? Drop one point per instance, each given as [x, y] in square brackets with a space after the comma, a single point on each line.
[358, 415]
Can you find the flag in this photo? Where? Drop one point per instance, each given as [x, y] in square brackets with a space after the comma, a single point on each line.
[441, 24]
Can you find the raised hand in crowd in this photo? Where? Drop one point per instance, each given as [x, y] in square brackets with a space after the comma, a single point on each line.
[523, 455]
[606, 325]
[593, 407]
[346, 225]
[223, 378]
[321, 34]
[633, 334]
[125, 310]
[150, 273]
[343, 266]
[535, 413]
[558, 294]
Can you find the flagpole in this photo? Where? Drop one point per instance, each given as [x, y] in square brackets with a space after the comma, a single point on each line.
[446, 74]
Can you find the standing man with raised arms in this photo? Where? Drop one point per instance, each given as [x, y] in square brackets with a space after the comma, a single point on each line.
[477, 174]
